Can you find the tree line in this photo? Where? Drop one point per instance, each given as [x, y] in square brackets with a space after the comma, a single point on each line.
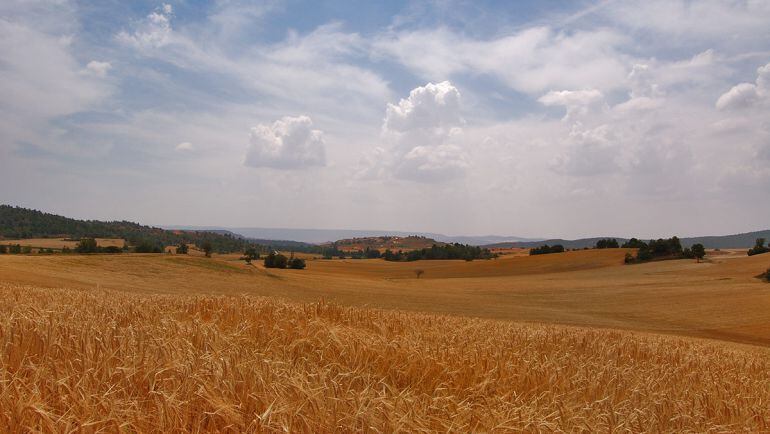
[439, 252]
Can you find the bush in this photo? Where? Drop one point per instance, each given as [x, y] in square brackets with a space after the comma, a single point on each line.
[182, 249]
[276, 260]
[26, 250]
[297, 263]
[629, 258]
[3, 249]
[14, 249]
[111, 249]
[87, 245]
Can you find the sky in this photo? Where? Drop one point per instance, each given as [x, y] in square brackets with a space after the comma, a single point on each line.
[528, 118]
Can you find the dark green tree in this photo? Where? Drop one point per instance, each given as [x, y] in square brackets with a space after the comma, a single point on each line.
[207, 248]
[698, 251]
[182, 249]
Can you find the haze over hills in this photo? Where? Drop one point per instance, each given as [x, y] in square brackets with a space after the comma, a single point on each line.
[736, 241]
[319, 236]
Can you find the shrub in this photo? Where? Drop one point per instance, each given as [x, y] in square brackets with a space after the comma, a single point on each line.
[629, 258]
[297, 264]
[14, 249]
[26, 250]
[111, 249]
[87, 245]
[3, 249]
[182, 249]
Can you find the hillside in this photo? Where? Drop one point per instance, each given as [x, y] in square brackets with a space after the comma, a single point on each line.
[736, 241]
[17, 222]
[382, 243]
[107, 361]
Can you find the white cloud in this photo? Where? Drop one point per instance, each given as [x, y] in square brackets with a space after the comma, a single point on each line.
[532, 60]
[99, 69]
[745, 95]
[184, 147]
[423, 132]
[577, 102]
[289, 143]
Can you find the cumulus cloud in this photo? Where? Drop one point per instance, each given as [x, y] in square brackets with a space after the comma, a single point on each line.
[152, 32]
[289, 143]
[745, 95]
[577, 102]
[422, 131]
[98, 69]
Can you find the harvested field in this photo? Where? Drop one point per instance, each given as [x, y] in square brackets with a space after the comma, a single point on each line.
[116, 361]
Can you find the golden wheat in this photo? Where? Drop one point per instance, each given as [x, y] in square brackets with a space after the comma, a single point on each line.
[108, 361]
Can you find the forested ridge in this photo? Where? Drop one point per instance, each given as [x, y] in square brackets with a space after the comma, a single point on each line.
[17, 222]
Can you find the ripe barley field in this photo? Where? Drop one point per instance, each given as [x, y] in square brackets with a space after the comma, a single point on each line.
[109, 361]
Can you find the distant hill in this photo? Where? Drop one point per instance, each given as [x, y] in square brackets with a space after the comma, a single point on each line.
[17, 222]
[395, 243]
[737, 241]
[321, 236]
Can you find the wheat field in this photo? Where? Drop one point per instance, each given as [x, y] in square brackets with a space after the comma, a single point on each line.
[108, 361]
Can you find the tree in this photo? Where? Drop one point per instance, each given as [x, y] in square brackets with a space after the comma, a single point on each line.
[3, 249]
[87, 245]
[14, 249]
[250, 254]
[759, 248]
[634, 243]
[147, 246]
[182, 249]
[698, 251]
[207, 248]
[609, 243]
[275, 260]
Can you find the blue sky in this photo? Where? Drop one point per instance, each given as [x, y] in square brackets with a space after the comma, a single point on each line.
[535, 119]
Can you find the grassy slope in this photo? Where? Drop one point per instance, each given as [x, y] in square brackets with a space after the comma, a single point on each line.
[103, 361]
[719, 299]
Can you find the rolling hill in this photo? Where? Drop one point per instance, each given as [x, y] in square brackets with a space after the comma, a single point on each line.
[736, 241]
[17, 222]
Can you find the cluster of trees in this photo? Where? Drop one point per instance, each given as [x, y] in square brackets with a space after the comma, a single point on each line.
[17, 222]
[277, 260]
[546, 249]
[438, 252]
[759, 247]
[609, 243]
[662, 248]
[89, 245]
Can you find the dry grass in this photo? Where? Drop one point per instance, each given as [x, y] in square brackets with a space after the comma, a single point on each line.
[108, 361]
[720, 299]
